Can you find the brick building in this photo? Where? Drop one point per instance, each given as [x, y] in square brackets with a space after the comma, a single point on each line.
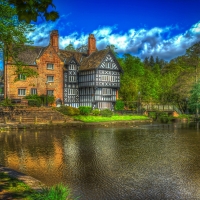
[75, 78]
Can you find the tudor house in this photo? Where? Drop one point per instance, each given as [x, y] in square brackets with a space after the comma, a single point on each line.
[76, 78]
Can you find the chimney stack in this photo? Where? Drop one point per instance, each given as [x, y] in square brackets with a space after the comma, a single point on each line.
[91, 44]
[54, 40]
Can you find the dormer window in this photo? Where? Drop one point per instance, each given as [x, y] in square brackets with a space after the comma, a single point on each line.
[50, 66]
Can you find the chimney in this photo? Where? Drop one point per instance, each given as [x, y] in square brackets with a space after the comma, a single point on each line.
[91, 44]
[54, 39]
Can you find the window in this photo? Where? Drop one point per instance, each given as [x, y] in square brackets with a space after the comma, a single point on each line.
[50, 78]
[21, 77]
[49, 66]
[50, 92]
[21, 92]
[72, 67]
[106, 91]
[72, 92]
[72, 78]
[33, 91]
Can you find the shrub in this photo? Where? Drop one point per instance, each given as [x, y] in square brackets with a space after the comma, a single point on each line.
[85, 110]
[106, 113]
[6, 102]
[67, 110]
[34, 102]
[119, 105]
[96, 112]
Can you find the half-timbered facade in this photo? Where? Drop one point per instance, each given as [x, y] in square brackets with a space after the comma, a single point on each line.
[89, 78]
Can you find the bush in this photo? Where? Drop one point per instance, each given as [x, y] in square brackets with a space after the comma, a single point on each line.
[96, 112]
[106, 113]
[85, 110]
[34, 102]
[67, 110]
[119, 105]
[6, 102]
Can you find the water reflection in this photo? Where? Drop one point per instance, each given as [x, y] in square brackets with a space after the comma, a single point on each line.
[147, 162]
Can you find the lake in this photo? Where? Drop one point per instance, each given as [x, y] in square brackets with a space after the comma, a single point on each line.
[150, 161]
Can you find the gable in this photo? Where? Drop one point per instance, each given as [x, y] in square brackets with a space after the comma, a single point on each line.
[109, 63]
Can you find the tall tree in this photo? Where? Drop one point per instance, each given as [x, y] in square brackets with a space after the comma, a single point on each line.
[151, 62]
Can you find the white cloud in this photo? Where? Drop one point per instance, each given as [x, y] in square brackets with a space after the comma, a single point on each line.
[142, 42]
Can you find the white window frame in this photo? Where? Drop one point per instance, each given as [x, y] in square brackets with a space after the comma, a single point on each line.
[50, 92]
[72, 91]
[50, 79]
[33, 91]
[21, 92]
[106, 91]
[50, 66]
[21, 77]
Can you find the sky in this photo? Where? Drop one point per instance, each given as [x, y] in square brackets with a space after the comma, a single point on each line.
[163, 28]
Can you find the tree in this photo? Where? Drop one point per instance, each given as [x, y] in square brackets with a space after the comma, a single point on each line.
[32, 9]
[194, 100]
[70, 47]
[13, 34]
[113, 49]
[151, 62]
[193, 58]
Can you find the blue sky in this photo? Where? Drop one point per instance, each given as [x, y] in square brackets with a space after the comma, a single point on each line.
[142, 28]
[163, 28]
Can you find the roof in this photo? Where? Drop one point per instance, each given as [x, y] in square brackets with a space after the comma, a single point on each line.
[94, 60]
[29, 54]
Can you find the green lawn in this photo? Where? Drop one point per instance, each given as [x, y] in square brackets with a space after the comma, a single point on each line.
[91, 118]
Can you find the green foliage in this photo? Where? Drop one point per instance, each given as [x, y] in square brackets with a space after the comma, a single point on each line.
[194, 100]
[163, 117]
[67, 110]
[41, 99]
[152, 115]
[6, 102]
[70, 47]
[85, 110]
[106, 113]
[119, 105]
[30, 10]
[56, 192]
[34, 102]
[96, 112]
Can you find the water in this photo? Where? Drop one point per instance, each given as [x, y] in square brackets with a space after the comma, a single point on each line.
[147, 162]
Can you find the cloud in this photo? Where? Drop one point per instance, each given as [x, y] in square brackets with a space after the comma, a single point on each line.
[141, 42]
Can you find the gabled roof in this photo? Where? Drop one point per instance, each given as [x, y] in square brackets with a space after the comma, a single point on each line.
[94, 60]
[29, 54]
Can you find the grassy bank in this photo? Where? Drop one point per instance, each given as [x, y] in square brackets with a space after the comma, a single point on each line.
[12, 188]
[91, 118]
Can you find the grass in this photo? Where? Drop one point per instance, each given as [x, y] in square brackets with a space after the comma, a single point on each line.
[13, 188]
[91, 118]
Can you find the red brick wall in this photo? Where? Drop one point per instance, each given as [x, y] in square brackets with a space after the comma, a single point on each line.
[49, 56]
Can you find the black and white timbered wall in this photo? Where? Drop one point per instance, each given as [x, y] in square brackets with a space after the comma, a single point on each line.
[96, 88]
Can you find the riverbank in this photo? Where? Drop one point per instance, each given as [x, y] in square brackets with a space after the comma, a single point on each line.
[53, 125]
[16, 185]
